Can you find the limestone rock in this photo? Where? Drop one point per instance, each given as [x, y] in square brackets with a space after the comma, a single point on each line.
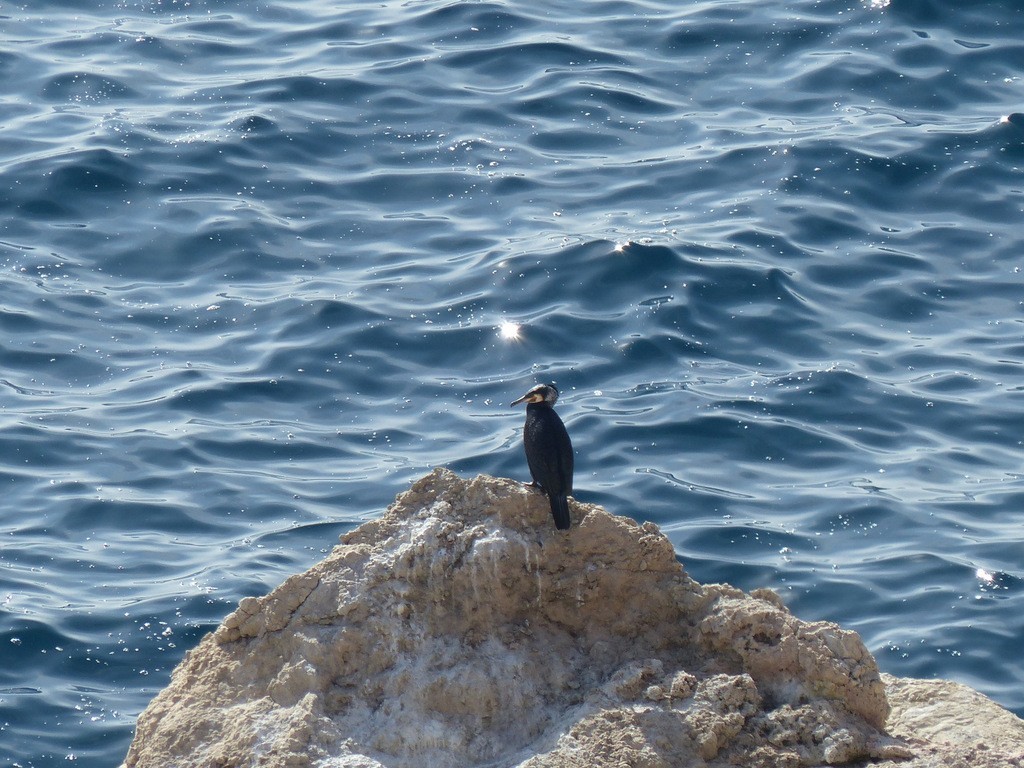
[952, 726]
[462, 629]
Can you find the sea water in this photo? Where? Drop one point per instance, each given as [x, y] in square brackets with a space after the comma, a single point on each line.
[263, 264]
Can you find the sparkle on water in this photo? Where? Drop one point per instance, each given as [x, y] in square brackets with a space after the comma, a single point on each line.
[508, 330]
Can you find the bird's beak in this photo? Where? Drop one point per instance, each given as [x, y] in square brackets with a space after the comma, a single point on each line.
[517, 402]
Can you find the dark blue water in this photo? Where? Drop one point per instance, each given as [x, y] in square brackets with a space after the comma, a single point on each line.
[256, 260]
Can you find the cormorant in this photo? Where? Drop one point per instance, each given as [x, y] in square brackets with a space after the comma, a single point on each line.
[548, 450]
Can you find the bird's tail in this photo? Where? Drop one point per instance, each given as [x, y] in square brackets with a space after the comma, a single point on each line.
[560, 511]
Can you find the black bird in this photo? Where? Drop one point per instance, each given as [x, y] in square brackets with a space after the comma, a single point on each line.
[548, 450]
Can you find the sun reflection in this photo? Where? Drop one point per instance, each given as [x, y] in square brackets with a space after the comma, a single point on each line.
[508, 330]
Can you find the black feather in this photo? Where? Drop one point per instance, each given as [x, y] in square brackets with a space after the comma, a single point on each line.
[549, 451]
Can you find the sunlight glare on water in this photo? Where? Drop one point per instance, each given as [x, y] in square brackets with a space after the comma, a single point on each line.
[262, 265]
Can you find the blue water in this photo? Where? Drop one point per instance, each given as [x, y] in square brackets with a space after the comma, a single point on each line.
[256, 260]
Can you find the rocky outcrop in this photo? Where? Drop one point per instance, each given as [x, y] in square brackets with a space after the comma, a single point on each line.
[950, 725]
[462, 629]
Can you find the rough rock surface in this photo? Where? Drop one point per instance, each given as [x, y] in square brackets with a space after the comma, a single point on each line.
[950, 725]
[462, 629]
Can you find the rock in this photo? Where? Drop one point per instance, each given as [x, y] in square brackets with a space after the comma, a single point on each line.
[952, 726]
[462, 629]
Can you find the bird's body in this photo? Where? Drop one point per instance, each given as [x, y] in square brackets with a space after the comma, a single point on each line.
[548, 450]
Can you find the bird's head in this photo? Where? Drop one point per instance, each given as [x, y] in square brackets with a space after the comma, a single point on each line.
[542, 393]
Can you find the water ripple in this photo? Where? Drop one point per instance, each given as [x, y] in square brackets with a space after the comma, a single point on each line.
[256, 264]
